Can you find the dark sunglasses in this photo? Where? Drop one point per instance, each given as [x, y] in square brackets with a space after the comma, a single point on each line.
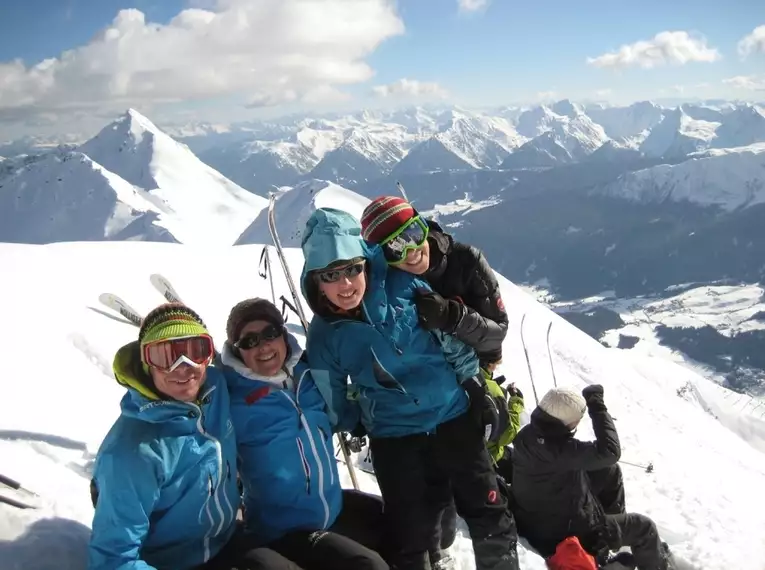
[334, 275]
[253, 339]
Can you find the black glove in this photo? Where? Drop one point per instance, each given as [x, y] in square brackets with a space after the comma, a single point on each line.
[435, 312]
[483, 408]
[592, 392]
[513, 390]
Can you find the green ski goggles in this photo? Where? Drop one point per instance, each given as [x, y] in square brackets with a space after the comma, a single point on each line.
[412, 235]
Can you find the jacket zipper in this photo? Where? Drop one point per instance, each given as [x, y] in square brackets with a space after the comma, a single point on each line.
[314, 450]
[306, 466]
[213, 488]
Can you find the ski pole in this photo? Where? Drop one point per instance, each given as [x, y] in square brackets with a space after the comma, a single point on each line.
[303, 321]
[265, 262]
[648, 468]
[401, 189]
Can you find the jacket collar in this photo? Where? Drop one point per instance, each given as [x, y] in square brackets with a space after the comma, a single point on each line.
[440, 247]
[285, 374]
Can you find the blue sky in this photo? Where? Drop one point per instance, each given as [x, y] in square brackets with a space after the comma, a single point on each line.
[506, 52]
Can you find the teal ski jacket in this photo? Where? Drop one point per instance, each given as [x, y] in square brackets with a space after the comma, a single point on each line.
[165, 475]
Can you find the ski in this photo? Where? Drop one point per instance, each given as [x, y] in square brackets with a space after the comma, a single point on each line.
[119, 306]
[16, 503]
[162, 285]
[296, 299]
[17, 488]
[549, 355]
[528, 360]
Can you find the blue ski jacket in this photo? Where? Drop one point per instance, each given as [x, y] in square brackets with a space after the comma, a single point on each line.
[165, 476]
[404, 378]
[284, 438]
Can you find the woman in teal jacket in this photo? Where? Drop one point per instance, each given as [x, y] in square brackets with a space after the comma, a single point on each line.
[286, 460]
[164, 483]
[417, 393]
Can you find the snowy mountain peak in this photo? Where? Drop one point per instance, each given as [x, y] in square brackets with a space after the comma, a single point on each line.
[567, 108]
[137, 125]
[295, 205]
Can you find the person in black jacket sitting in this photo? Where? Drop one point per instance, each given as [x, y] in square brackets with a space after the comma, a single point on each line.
[566, 487]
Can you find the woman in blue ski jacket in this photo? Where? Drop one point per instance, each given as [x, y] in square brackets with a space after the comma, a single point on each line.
[286, 457]
[164, 482]
[417, 393]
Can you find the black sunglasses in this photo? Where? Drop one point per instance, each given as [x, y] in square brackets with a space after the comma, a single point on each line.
[253, 339]
[334, 275]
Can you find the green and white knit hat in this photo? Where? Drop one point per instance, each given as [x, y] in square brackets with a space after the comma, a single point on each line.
[171, 320]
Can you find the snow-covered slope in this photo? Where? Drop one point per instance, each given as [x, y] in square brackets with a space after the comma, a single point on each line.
[743, 126]
[479, 140]
[678, 135]
[564, 134]
[700, 492]
[431, 155]
[65, 196]
[626, 122]
[295, 205]
[200, 203]
[363, 155]
[729, 178]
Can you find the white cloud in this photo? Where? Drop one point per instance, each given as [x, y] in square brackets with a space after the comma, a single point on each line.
[546, 96]
[272, 50]
[752, 43]
[410, 88]
[604, 92]
[472, 5]
[747, 82]
[677, 48]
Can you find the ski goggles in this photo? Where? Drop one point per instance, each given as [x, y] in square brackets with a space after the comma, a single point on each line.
[253, 339]
[334, 275]
[167, 355]
[410, 236]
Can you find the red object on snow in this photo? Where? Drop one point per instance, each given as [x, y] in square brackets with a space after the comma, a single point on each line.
[569, 555]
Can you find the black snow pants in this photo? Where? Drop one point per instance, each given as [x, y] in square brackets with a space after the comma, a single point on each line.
[640, 534]
[238, 554]
[608, 486]
[323, 549]
[362, 519]
[353, 542]
[446, 529]
[417, 472]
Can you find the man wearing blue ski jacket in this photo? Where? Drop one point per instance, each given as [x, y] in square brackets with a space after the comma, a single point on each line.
[417, 393]
[292, 492]
[164, 484]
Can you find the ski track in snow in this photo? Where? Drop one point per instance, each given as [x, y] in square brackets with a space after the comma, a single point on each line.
[59, 399]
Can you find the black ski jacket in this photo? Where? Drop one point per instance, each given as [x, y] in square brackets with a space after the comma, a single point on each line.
[461, 271]
[551, 491]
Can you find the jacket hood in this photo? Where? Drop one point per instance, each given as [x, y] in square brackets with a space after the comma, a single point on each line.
[230, 359]
[329, 236]
[548, 426]
[142, 400]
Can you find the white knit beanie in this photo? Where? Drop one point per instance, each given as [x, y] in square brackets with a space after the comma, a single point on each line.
[564, 404]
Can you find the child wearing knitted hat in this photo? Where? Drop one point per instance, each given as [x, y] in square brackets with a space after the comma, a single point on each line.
[164, 481]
